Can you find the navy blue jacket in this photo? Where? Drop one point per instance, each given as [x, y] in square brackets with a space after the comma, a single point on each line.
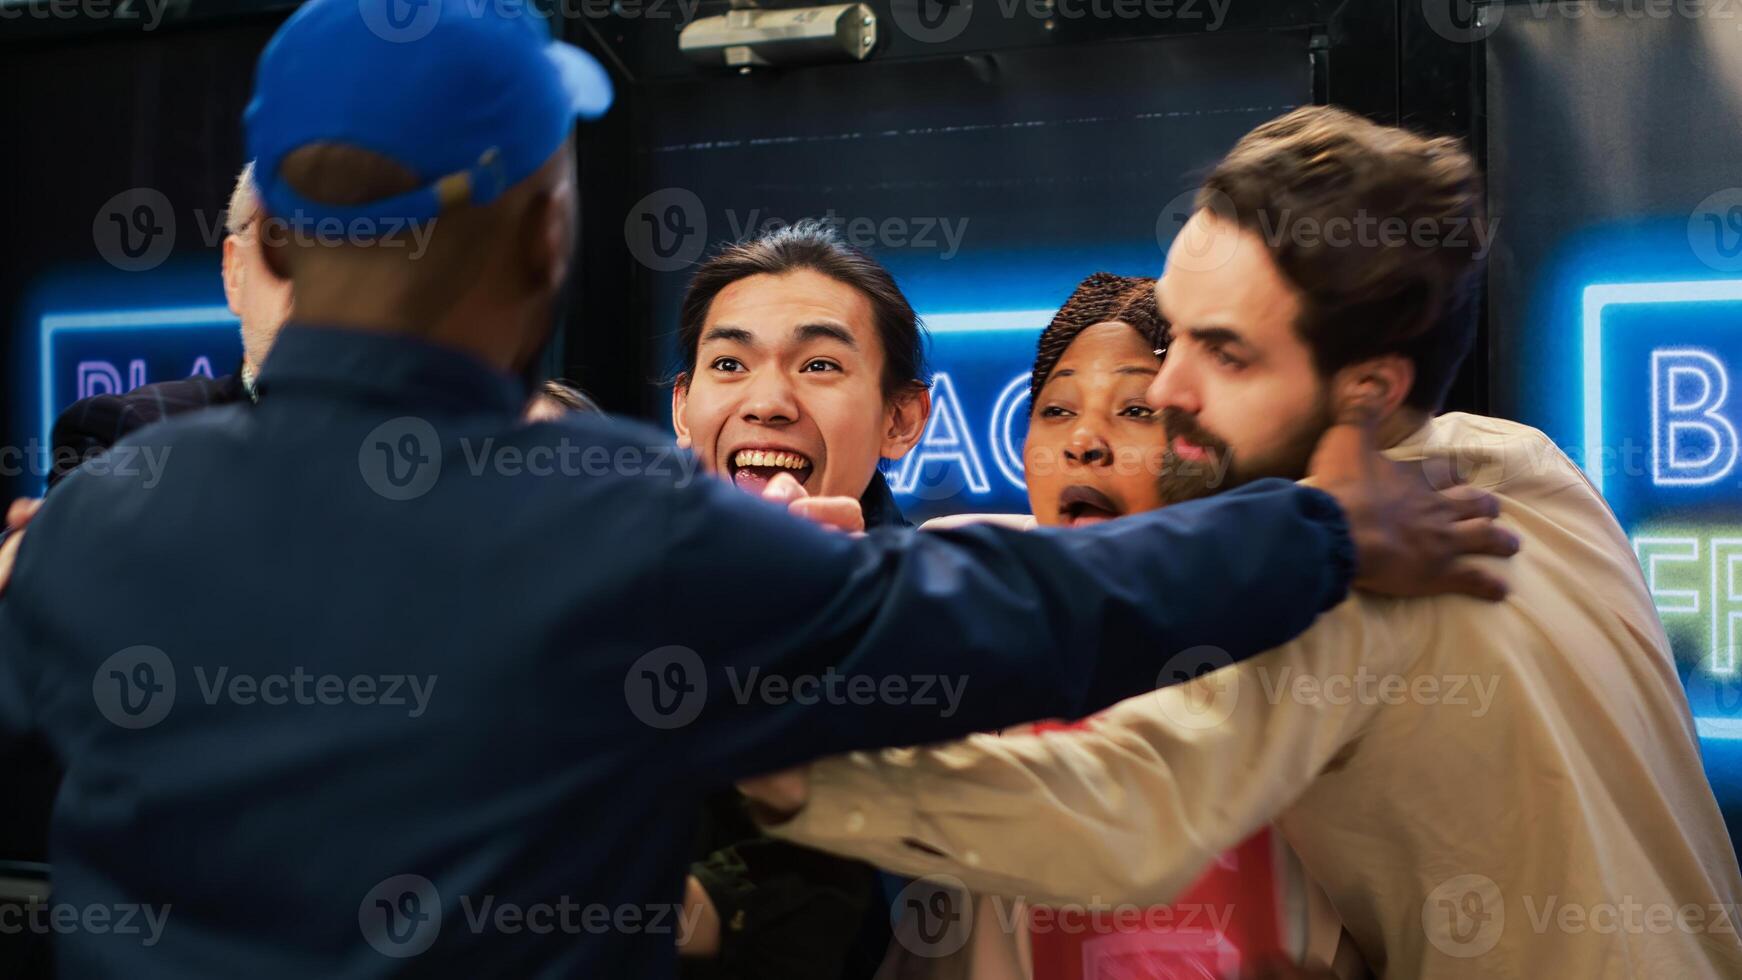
[450, 703]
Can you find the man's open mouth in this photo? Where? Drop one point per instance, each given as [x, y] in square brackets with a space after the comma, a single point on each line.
[1187, 451]
[1080, 505]
[752, 469]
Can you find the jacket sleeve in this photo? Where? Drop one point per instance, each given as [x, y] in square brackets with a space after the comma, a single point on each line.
[807, 642]
[1133, 806]
[86, 429]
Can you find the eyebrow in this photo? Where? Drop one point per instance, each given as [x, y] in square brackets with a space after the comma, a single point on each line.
[1138, 369]
[1211, 335]
[808, 331]
[731, 334]
[825, 331]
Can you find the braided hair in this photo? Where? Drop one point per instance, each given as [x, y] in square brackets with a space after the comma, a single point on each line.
[1101, 298]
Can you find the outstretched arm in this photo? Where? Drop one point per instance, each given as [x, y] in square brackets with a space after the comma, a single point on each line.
[1131, 807]
[811, 642]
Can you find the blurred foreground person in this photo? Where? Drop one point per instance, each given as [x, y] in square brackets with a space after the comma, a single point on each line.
[88, 427]
[399, 745]
[1463, 779]
[258, 296]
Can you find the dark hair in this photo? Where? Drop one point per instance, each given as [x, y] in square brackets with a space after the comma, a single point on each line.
[569, 396]
[1101, 298]
[811, 245]
[1387, 294]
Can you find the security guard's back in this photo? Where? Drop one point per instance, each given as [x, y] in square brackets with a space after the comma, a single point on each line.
[377, 680]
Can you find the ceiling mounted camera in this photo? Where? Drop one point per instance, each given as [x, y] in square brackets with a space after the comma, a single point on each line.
[747, 36]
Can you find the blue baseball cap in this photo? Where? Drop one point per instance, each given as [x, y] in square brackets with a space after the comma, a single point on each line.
[473, 96]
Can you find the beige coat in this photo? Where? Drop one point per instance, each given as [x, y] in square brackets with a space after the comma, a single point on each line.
[1505, 791]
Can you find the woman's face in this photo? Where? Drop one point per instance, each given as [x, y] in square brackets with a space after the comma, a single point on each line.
[1094, 445]
[788, 378]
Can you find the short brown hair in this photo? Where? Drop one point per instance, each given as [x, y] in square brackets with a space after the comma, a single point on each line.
[1370, 295]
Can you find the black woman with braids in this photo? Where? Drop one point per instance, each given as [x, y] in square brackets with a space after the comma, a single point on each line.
[1095, 449]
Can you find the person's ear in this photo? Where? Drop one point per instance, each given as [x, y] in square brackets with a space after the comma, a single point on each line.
[546, 233]
[234, 274]
[273, 240]
[905, 416]
[546, 228]
[1381, 384]
[680, 397]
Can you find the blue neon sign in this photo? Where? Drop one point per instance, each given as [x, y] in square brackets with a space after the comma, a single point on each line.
[970, 455]
[95, 352]
[1661, 441]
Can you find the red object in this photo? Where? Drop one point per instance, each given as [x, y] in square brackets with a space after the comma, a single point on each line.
[1228, 917]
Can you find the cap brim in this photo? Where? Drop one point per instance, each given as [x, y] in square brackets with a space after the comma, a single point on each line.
[588, 85]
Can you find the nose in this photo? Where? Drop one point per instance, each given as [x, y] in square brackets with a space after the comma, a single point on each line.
[1175, 385]
[1088, 445]
[771, 400]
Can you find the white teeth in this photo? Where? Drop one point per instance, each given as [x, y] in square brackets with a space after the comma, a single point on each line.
[764, 457]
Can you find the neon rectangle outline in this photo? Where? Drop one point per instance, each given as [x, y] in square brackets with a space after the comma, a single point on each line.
[1596, 298]
[153, 318]
[1600, 296]
[989, 322]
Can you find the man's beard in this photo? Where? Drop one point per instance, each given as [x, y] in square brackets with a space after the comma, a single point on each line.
[1182, 480]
